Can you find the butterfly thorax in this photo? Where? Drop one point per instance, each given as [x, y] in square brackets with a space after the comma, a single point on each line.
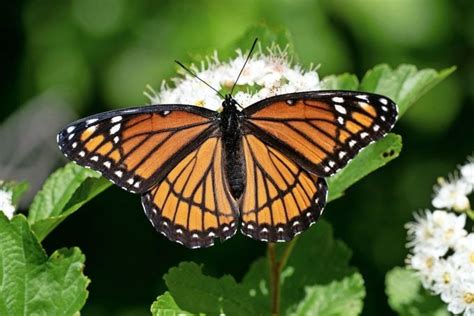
[231, 131]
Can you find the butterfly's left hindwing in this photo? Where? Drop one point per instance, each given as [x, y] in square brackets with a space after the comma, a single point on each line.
[135, 148]
[280, 199]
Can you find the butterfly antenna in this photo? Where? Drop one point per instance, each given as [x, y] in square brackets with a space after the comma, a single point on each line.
[242, 69]
[196, 76]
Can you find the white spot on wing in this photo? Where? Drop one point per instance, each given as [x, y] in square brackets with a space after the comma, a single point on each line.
[340, 120]
[340, 109]
[107, 164]
[119, 173]
[91, 121]
[70, 129]
[82, 153]
[116, 119]
[70, 136]
[114, 129]
[383, 101]
[352, 143]
[338, 99]
[95, 158]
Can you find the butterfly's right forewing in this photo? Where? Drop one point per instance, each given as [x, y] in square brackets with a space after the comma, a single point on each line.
[136, 148]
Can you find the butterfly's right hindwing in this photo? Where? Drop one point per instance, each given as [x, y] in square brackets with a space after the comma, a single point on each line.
[193, 204]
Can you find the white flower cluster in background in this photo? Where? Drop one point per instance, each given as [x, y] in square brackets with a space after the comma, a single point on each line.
[6, 203]
[264, 75]
[442, 251]
[452, 193]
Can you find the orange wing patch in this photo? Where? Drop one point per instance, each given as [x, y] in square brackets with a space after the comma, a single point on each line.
[134, 149]
[280, 198]
[321, 131]
[193, 204]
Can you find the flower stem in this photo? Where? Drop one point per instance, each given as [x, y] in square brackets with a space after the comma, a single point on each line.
[470, 214]
[276, 267]
[274, 279]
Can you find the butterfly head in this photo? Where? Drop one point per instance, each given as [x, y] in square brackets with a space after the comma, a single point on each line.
[229, 102]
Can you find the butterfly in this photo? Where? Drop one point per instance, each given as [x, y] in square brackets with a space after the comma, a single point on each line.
[202, 174]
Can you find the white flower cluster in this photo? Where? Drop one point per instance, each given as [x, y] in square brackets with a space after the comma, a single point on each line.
[6, 204]
[264, 75]
[452, 194]
[442, 251]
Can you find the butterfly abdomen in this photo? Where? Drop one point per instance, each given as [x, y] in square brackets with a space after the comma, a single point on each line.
[232, 141]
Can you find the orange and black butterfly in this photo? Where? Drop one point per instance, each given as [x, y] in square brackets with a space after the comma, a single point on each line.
[203, 174]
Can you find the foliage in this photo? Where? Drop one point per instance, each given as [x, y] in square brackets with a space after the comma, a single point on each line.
[65, 191]
[166, 306]
[337, 298]
[32, 283]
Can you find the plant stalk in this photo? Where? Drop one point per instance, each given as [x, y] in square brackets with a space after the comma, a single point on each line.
[276, 267]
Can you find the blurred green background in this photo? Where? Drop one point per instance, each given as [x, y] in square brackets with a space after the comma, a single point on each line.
[87, 56]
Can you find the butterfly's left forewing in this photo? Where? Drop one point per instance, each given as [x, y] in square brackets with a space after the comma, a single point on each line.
[321, 130]
[135, 148]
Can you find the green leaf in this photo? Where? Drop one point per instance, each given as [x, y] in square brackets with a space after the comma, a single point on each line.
[197, 293]
[64, 192]
[404, 85]
[343, 297]
[33, 284]
[340, 82]
[16, 188]
[407, 296]
[166, 306]
[317, 258]
[368, 160]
